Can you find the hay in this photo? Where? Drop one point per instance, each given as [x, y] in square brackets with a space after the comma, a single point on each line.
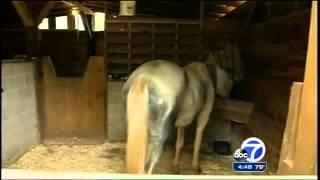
[110, 158]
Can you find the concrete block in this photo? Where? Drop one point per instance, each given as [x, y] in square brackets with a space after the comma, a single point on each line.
[3, 114]
[28, 68]
[29, 80]
[13, 83]
[11, 96]
[114, 86]
[27, 92]
[117, 110]
[7, 70]
[5, 84]
[11, 112]
[24, 68]
[17, 142]
[4, 99]
[116, 129]
[114, 98]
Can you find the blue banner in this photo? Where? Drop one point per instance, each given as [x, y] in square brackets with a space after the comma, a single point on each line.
[249, 166]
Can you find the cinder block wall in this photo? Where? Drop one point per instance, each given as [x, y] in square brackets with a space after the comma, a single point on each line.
[19, 113]
[116, 125]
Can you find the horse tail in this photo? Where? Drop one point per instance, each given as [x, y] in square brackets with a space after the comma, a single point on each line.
[137, 118]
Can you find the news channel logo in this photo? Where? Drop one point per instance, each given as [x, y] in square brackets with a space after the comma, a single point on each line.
[247, 157]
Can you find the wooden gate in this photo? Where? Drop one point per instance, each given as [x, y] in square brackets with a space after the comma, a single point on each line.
[73, 107]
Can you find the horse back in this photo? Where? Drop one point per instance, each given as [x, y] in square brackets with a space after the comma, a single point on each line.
[167, 77]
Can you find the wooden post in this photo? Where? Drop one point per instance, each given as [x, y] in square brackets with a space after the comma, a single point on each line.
[306, 148]
[32, 43]
[44, 11]
[299, 156]
[71, 22]
[52, 22]
[269, 12]
[24, 13]
[86, 20]
[290, 134]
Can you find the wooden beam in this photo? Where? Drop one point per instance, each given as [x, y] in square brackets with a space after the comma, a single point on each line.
[230, 3]
[83, 8]
[86, 24]
[290, 133]
[45, 10]
[305, 158]
[220, 9]
[24, 13]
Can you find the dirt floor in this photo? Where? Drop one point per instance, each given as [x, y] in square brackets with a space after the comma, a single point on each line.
[110, 157]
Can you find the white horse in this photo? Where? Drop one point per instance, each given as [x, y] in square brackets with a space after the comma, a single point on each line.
[159, 93]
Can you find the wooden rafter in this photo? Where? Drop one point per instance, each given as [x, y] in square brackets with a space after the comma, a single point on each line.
[81, 7]
[24, 13]
[216, 15]
[45, 10]
[230, 3]
[220, 9]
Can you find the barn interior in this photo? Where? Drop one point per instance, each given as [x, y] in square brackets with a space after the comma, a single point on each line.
[64, 63]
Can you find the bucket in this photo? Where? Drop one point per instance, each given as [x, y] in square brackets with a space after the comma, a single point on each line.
[127, 8]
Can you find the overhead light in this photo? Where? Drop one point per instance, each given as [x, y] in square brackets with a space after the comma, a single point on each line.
[221, 5]
[114, 16]
[230, 8]
[75, 12]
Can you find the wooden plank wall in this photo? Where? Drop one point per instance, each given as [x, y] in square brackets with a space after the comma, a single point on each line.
[74, 107]
[131, 42]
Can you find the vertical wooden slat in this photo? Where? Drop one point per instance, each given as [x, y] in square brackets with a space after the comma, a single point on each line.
[153, 40]
[129, 47]
[201, 27]
[176, 45]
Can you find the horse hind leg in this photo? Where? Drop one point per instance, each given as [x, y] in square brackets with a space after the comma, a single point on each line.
[198, 139]
[184, 118]
[202, 121]
[179, 145]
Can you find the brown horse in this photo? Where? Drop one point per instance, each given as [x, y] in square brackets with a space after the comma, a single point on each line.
[160, 93]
